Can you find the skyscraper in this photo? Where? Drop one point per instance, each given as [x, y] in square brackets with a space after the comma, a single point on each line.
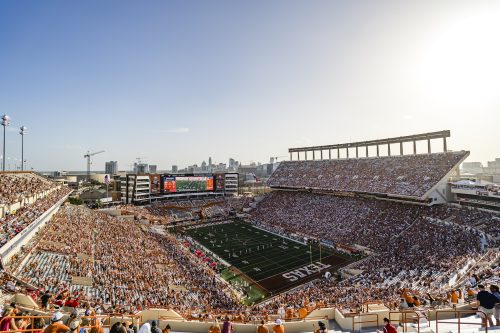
[111, 167]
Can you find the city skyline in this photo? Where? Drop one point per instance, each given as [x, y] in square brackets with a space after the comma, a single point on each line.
[172, 81]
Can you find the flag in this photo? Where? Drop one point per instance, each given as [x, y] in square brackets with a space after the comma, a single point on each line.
[106, 180]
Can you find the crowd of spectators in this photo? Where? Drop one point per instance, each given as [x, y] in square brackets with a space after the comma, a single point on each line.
[132, 267]
[477, 219]
[15, 222]
[166, 212]
[129, 266]
[407, 175]
[15, 187]
[411, 248]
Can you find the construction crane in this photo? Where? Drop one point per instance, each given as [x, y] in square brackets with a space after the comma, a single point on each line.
[87, 156]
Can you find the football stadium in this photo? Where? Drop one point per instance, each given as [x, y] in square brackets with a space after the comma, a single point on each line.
[339, 241]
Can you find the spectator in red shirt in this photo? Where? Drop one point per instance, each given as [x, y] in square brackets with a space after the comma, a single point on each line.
[388, 328]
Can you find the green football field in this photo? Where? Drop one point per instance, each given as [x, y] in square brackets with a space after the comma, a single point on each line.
[260, 255]
[191, 185]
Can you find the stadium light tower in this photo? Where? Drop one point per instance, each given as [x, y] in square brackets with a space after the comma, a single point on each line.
[5, 123]
[22, 131]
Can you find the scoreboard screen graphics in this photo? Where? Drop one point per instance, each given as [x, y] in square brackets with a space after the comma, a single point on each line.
[188, 184]
[220, 181]
[155, 186]
[169, 185]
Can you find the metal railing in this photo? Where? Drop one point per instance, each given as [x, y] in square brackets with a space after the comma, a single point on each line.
[458, 315]
[103, 321]
[404, 318]
[94, 321]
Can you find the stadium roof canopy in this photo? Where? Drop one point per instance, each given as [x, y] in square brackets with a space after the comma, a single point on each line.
[400, 139]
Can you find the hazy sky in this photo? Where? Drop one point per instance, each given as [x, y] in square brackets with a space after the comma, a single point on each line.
[175, 82]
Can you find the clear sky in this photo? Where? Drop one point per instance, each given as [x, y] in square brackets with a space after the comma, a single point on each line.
[175, 82]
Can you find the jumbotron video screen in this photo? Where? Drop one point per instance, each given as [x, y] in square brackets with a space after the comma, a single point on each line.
[176, 184]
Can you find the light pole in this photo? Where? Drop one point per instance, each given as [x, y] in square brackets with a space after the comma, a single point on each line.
[5, 123]
[22, 131]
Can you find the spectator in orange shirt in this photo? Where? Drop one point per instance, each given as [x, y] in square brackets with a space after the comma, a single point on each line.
[262, 328]
[408, 298]
[453, 297]
[56, 325]
[302, 312]
[278, 328]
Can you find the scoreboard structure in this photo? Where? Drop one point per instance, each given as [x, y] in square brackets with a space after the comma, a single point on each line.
[184, 183]
[145, 188]
[198, 183]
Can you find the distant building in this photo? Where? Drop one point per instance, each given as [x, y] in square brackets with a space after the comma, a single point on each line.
[490, 173]
[141, 168]
[135, 188]
[219, 167]
[152, 168]
[247, 169]
[209, 161]
[493, 167]
[472, 167]
[204, 166]
[93, 195]
[111, 167]
[231, 183]
[175, 168]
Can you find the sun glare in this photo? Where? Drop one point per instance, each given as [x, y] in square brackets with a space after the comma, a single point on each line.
[461, 66]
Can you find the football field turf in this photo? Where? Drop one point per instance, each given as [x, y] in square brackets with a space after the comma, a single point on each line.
[191, 185]
[273, 262]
